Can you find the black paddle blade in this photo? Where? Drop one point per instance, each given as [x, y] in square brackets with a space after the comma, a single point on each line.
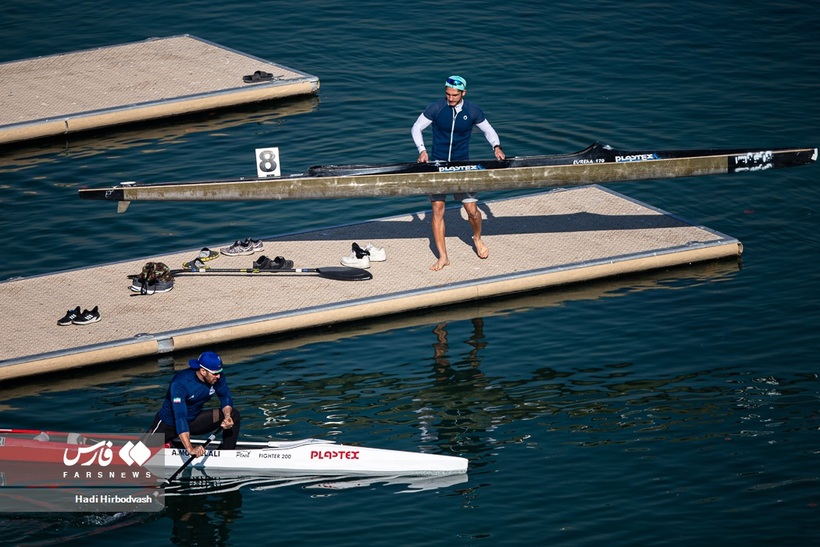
[343, 273]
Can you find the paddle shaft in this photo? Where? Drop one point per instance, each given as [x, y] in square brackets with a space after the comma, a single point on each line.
[332, 272]
[191, 458]
[246, 270]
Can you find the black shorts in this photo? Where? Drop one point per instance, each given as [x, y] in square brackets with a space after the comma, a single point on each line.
[463, 197]
[205, 422]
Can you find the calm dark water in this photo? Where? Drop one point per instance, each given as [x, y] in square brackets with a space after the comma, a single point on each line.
[668, 408]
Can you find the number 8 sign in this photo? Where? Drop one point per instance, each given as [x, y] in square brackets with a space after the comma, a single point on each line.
[267, 162]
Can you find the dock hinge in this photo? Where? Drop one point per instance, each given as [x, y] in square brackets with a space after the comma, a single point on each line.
[165, 345]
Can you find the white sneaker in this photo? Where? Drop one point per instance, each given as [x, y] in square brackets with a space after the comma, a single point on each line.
[359, 258]
[354, 261]
[240, 248]
[377, 254]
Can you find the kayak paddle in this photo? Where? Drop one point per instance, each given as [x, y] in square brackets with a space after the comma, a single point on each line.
[170, 479]
[340, 273]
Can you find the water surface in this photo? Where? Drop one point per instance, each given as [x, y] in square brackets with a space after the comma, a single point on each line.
[673, 407]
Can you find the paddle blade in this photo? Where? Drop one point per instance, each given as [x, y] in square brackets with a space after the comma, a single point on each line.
[343, 273]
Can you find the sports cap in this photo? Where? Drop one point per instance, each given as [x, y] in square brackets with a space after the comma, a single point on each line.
[208, 360]
[456, 82]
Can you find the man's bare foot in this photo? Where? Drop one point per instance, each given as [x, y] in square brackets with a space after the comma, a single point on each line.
[440, 263]
[480, 249]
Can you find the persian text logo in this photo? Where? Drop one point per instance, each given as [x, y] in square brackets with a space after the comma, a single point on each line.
[102, 455]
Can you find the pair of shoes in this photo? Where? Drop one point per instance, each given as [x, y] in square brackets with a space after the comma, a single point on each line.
[278, 263]
[359, 258]
[146, 287]
[242, 248]
[258, 76]
[78, 317]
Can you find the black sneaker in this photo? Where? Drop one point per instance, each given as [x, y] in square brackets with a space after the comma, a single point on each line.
[69, 317]
[360, 253]
[263, 263]
[281, 263]
[158, 286]
[87, 317]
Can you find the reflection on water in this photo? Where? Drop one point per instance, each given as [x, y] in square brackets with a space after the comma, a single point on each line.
[205, 519]
[150, 134]
[203, 509]
[443, 410]
[48, 529]
[200, 483]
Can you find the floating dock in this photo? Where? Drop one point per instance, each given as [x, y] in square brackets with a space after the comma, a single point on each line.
[536, 241]
[155, 78]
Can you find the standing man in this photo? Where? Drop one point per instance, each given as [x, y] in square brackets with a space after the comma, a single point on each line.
[181, 413]
[453, 119]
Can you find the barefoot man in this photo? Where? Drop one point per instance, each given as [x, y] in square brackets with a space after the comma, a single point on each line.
[453, 119]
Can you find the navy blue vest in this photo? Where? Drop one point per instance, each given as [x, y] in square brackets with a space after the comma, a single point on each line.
[451, 137]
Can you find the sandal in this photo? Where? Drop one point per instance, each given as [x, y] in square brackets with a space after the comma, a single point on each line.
[278, 263]
[195, 265]
[207, 254]
[204, 256]
[258, 76]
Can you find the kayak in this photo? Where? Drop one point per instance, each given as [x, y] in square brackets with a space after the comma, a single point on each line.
[318, 457]
[312, 456]
[597, 163]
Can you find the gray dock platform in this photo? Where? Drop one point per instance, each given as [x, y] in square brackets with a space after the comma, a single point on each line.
[155, 78]
[536, 241]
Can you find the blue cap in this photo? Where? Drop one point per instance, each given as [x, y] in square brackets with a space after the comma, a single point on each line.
[208, 360]
[456, 82]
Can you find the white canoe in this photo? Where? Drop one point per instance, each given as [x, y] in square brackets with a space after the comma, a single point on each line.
[308, 456]
[316, 457]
